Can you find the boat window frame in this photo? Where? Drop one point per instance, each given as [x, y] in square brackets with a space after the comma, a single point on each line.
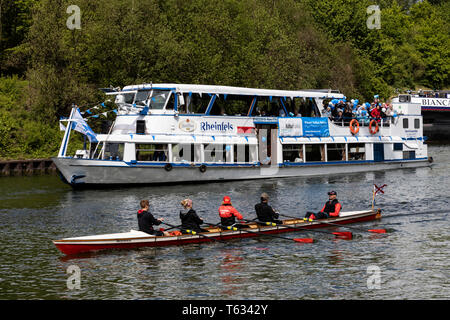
[405, 123]
[343, 150]
[137, 149]
[217, 148]
[170, 91]
[322, 152]
[106, 149]
[302, 150]
[195, 152]
[349, 153]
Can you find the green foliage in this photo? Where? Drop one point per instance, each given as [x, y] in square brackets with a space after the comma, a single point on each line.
[21, 135]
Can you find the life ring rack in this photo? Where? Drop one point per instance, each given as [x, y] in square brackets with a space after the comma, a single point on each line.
[372, 129]
[354, 126]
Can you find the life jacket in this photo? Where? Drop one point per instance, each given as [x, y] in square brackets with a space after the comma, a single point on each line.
[227, 215]
[332, 208]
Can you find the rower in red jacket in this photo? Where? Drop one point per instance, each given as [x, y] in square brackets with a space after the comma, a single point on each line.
[331, 208]
[228, 214]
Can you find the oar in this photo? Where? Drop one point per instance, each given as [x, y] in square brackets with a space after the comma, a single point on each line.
[196, 233]
[340, 225]
[302, 240]
[342, 235]
[174, 227]
[355, 228]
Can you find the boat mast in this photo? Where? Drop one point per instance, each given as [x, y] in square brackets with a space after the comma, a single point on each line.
[65, 141]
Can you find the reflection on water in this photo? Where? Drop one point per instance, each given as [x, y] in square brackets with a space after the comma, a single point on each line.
[412, 256]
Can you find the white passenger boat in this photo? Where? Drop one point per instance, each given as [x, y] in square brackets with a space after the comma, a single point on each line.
[174, 133]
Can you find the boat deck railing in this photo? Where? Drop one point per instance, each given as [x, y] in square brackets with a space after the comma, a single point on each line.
[363, 121]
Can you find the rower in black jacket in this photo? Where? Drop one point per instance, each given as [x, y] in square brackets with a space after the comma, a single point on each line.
[189, 218]
[146, 220]
[264, 212]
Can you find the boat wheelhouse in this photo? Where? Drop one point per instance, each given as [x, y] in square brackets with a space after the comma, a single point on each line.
[174, 133]
[435, 107]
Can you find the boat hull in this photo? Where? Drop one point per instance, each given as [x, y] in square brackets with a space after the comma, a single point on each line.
[83, 173]
[137, 239]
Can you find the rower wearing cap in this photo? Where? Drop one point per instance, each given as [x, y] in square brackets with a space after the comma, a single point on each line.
[264, 212]
[228, 214]
[331, 208]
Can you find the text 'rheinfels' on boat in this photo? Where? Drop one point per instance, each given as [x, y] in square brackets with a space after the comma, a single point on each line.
[174, 133]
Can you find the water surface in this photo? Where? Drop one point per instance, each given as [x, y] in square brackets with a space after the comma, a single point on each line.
[412, 259]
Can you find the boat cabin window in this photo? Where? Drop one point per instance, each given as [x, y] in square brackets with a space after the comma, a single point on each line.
[405, 123]
[158, 99]
[171, 101]
[186, 152]
[266, 107]
[292, 152]
[304, 107]
[416, 123]
[155, 99]
[242, 153]
[336, 152]
[140, 126]
[217, 153]
[194, 103]
[127, 98]
[315, 152]
[356, 151]
[113, 151]
[141, 98]
[409, 155]
[151, 152]
[231, 105]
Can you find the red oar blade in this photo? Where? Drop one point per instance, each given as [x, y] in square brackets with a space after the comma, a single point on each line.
[304, 240]
[343, 235]
[377, 230]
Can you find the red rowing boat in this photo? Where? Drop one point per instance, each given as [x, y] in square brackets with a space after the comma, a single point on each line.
[137, 239]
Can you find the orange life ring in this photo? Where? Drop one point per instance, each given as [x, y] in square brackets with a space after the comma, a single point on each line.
[354, 126]
[371, 129]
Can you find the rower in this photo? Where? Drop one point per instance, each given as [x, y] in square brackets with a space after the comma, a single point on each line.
[190, 221]
[264, 212]
[146, 220]
[228, 214]
[331, 208]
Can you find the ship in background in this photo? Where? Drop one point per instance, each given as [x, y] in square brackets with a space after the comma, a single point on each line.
[435, 106]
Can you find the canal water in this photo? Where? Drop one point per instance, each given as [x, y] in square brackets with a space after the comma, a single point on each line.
[409, 262]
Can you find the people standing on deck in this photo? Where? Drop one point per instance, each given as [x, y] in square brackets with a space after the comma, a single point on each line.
[331, 208]
[189, 218]
[376, 113]
[228, 214]
[146, 220]
[264, 212]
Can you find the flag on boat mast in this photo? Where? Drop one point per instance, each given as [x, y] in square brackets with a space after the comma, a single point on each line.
[80, 125]
[376, 189]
